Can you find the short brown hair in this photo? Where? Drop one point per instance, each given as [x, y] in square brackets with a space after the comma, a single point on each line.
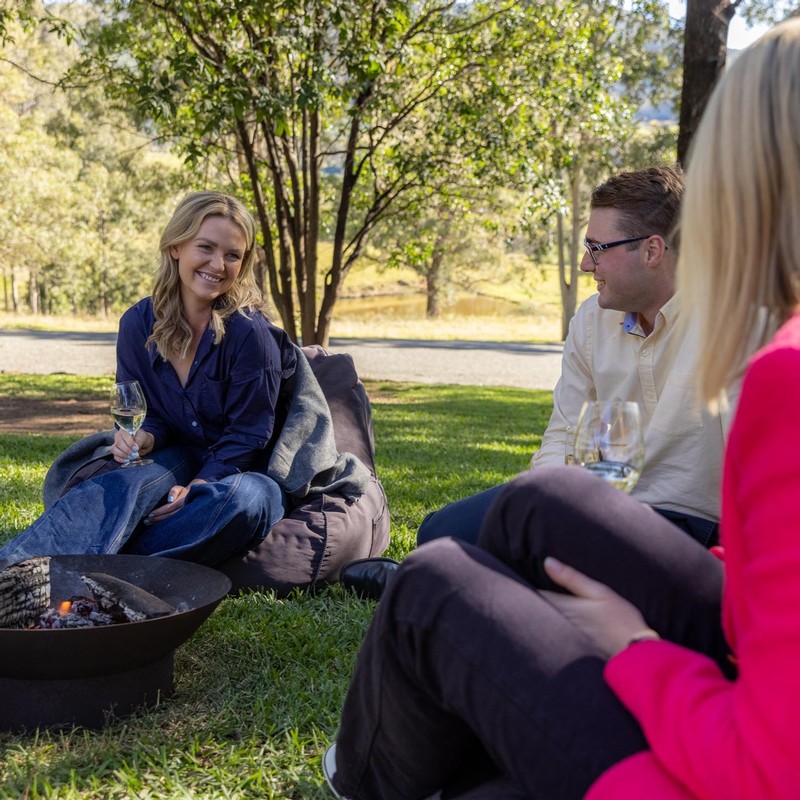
[648, 200]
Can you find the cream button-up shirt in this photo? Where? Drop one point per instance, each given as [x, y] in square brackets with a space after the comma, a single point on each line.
[608, 356]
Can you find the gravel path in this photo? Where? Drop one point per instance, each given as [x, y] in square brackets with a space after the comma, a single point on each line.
[526, 366]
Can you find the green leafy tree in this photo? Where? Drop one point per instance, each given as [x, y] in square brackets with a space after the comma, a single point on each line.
[84, 195]
[336, 113]
[557, 92]
[451, 238]
[621, 54]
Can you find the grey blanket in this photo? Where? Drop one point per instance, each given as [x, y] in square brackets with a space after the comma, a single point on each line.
[304, 460]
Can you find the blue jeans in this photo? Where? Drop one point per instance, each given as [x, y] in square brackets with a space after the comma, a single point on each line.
[104, 514]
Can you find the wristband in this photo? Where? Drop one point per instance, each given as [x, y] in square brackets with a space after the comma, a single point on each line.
[647, 635]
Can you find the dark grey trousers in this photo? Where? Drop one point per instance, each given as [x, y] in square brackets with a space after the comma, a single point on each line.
[469, 680]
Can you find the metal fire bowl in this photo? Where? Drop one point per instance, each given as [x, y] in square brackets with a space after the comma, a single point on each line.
[71, 653]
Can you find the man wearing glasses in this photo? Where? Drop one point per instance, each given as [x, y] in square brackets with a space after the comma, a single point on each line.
[621, 345]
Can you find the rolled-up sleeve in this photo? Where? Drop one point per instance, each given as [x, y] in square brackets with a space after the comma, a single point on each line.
[574, 387]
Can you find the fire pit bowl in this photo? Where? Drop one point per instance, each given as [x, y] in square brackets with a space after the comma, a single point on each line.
[80, 676]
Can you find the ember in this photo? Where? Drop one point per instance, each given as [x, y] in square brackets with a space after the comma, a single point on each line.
[81, 612]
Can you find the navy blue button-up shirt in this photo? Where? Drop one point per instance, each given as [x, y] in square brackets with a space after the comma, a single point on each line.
[226, 411]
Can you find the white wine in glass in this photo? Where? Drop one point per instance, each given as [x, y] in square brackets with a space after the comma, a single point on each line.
[129, 408]
[609, 442]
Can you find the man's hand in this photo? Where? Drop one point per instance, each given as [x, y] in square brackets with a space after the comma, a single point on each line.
[127, 448]
[608, 619]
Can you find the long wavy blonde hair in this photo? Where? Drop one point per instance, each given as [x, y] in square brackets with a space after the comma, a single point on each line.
[172, 333]
[739, 267]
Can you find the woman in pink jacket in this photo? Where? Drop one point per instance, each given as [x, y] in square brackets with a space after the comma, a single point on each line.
[587, 648]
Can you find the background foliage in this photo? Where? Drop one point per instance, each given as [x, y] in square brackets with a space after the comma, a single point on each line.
[339, 121]
[455, 137]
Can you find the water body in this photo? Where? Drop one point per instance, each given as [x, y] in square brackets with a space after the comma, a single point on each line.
[412, 306]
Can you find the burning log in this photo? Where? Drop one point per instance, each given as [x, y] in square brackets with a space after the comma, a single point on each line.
[136, 603]
[24, 592]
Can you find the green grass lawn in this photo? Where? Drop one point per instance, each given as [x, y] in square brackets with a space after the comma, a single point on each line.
[260, 685]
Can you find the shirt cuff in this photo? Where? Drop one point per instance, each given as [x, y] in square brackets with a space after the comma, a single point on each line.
[215, 470]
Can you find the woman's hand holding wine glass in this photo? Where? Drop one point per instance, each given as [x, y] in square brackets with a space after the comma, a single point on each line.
[129, 408]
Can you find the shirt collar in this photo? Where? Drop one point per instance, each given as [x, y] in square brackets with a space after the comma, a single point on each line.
[205, 344]
[669, 313]
[670, 309]
[630, 323]
[152, 354]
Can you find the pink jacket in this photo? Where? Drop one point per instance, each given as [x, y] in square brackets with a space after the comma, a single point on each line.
[713, 738]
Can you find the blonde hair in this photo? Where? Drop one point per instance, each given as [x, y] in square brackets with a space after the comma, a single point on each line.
[172, 333]
[740, 261]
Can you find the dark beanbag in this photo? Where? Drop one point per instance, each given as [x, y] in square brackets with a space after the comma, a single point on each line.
[318, 537]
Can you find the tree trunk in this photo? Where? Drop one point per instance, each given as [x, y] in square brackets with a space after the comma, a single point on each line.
[568, 261]
[33, 293]
[6, 295]
[340, 266]
[704, 52]
[281, 297]
[433, 308]
[243, 165]
[14, 292]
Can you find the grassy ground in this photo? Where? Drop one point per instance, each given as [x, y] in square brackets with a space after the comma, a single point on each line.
[260, 685]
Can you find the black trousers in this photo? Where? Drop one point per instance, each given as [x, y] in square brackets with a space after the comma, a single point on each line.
[470, 681]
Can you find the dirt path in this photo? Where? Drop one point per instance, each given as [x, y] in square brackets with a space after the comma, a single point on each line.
[69, 417]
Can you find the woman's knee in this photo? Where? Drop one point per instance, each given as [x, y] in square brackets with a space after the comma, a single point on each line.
[438, 572]
[261, 489]
[548, 498]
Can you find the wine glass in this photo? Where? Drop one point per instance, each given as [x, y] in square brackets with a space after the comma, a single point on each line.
[609, 441]
[129, 408]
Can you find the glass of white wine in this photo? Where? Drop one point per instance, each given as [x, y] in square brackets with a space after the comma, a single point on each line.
[610, 443]
[129, 408]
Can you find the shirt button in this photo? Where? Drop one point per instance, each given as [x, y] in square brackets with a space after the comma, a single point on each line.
[194, 424]
[645, 352]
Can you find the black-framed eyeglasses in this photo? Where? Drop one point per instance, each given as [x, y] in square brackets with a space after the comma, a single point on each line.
[596, 247]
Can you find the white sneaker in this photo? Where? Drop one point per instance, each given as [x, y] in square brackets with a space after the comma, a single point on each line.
[329, 769]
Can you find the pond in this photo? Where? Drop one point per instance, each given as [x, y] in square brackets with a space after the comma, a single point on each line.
[412, 306]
